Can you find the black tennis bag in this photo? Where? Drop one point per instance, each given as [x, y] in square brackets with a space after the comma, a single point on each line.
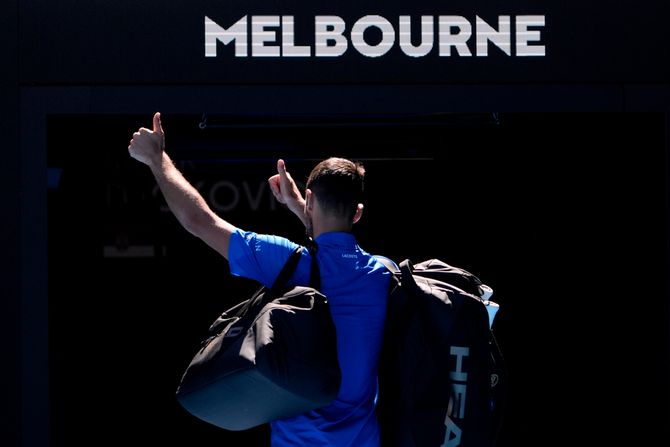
[272, 356]
[442, 378]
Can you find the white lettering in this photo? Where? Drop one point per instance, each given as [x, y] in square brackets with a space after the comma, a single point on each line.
[226, 196]
[459, 39]
[456, 406]
[405, 36]
[236, 32]
[523, 36]
[358, 37]
[452, 438]
[458, 394]
[288, 48]
[500, 38]
[259, 36]
[329, 29]
[254, 201]
[460, 352]
[454, 36]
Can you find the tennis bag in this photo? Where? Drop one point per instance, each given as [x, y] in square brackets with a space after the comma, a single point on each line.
[270, 357]
[442, 378]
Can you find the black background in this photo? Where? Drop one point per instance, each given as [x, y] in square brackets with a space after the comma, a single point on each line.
[551, 172]
[561, 214]
[149, 42]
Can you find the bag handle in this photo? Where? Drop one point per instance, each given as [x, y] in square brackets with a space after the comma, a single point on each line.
[404, 269]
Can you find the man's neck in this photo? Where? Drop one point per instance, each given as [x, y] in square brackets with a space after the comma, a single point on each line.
[329, 225]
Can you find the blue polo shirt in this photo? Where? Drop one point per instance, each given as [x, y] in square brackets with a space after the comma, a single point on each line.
[356, 285]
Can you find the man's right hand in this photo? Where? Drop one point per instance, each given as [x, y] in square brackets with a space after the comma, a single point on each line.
[286, 191]
[147, 145]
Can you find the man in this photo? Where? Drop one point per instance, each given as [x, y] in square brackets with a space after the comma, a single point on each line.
[355, 283]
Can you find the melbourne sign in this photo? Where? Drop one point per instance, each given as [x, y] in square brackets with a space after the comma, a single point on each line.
[373, 36]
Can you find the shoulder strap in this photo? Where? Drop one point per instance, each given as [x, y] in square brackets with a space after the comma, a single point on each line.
[287, 271]
[402, 309]
[247, 309]
[290, 266]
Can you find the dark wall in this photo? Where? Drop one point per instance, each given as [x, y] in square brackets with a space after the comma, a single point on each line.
[154, 42]
[550, 208]
[9, 236]
[563, 215]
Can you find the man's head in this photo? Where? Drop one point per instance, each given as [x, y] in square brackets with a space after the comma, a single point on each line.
[337, 184]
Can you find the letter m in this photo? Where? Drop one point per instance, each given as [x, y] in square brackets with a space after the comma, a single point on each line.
[215, 33]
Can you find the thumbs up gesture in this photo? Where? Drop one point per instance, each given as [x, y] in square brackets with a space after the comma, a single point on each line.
[147, 145]
[286, 191]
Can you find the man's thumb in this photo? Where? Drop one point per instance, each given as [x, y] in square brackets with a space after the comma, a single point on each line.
[281, 168]
[158, 128]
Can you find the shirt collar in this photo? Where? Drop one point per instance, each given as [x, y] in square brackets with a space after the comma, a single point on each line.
[337, 238]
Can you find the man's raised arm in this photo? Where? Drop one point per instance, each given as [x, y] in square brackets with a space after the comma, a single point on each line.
[190, 208]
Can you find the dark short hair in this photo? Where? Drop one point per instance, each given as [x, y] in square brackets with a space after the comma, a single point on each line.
[338, 185]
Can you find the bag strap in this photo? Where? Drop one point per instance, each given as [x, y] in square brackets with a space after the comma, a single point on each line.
[287, 271]
[402, 277]
[277, 288]
[247, 309]
[290, 266]
[404, 270]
